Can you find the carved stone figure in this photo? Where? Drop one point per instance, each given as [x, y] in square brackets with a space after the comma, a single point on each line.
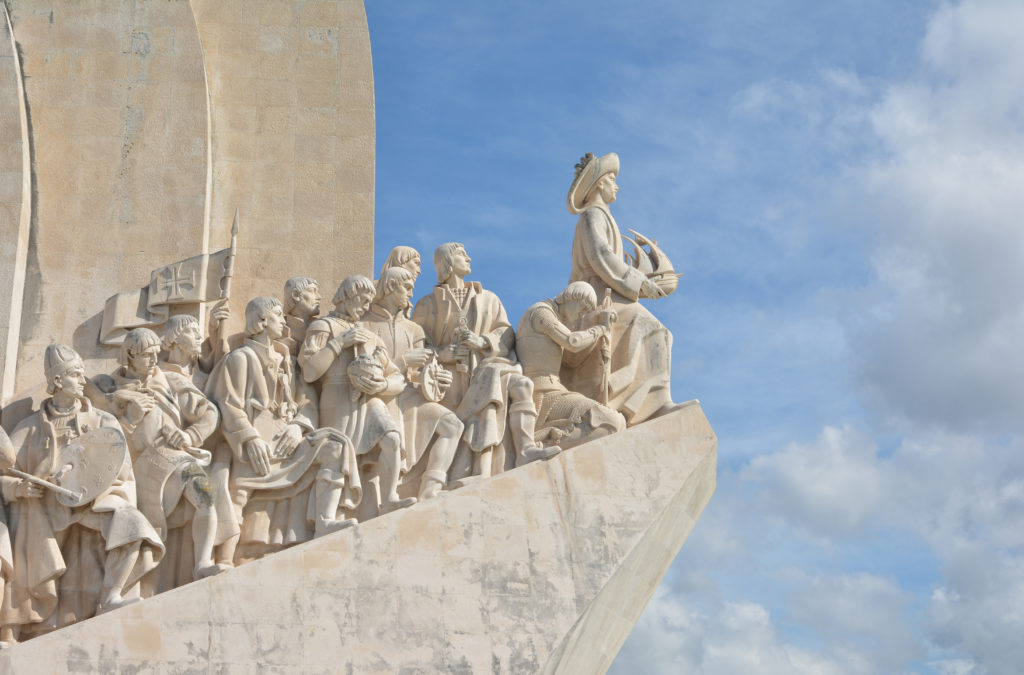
[354, 371]
[287, 472]
[403, 256]
[166, 420]
[301, 306]
[547, 345]
[431, 431]
[469, 329]
[636, 381]
[71, 562]
[186, 352]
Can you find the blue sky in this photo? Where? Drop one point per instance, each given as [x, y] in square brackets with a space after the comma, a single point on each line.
[841, 183]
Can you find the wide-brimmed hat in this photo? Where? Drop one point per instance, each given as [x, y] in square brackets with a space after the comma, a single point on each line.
[588, 172]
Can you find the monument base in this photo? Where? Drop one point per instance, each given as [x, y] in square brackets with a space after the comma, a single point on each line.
[542, 569]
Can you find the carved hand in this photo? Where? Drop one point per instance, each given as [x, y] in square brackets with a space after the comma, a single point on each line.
[371, 386]
[27, 490]
[606, 317]
[416, 358]
[470, 339]
[288, 441]
[218, 318]
[259, 455]
[178, 439]
[353, 336]
[650, 290]
[444, 378]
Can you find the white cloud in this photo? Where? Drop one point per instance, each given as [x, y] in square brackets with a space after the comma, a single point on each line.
[672, 638]
[937, 336]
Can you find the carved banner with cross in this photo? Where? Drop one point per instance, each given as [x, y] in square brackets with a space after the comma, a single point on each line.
[198, 279]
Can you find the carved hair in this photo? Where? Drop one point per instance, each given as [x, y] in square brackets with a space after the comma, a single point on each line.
[175, 326]
[135, 342]
[256, 314]
[390, 279]
[399, 256]
[444, 260]
[293, 286]
[581, 291]
[351, 287]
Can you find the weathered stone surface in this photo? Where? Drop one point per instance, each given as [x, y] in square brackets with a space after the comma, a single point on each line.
[544, 568]
[146, 125]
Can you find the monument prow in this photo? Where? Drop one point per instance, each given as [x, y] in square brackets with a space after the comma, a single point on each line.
[544, 568]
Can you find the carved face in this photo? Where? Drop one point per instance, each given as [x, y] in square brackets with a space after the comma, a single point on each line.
[572, 310]
[413, 265]
[403, 293]
[190, 340]
[275, 325]
[356, 306]
[607, 188]
[144, 362]
[460, 263]
[307, 301]
[71, 381]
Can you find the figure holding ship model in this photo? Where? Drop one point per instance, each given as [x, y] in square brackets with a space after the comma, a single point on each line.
[635, 381]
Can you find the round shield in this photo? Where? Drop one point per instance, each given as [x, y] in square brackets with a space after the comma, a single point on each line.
[89, 464]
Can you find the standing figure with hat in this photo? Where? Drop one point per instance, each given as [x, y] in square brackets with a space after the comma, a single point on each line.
[166, 420]
[80, 546]
[636, 381]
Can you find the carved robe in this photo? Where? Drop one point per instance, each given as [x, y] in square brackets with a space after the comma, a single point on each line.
[638, 383]
[59, 552]
[162, 471]
[479, 392]
[259, 392]
[364, 419]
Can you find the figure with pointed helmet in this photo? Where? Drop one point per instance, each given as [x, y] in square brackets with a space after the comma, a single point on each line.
[71, 490]
[636, 379]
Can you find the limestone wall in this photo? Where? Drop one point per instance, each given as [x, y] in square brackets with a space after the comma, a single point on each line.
[147, 123]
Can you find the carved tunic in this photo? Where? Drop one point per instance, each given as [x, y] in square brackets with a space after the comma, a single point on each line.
[364, 419]
[259, 392]
[45, 591]
[639, 378]
[417, 417]
[479, 397]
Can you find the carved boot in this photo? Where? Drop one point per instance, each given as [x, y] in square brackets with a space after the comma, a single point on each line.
[522, 420]
[431, 484]
[328, 497]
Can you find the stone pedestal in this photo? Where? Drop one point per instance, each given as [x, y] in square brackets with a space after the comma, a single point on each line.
[541, 569]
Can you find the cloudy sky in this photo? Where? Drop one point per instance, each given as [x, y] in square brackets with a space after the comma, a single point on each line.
[842, 183]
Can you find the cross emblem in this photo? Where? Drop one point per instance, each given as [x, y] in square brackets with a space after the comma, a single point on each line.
[175, 281]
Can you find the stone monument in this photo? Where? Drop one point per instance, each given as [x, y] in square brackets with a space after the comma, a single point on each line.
[388, 486]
